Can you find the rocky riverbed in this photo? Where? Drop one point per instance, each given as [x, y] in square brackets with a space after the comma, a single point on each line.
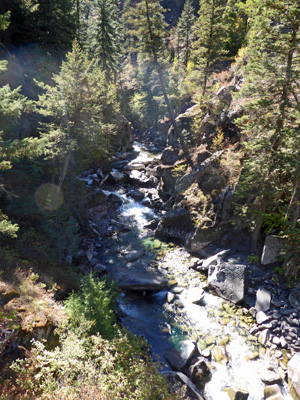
[226, 327]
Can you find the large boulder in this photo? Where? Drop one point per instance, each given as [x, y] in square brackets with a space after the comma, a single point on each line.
[183, 121]
[175, 224]
[179, 357]
[271, 250]
[199, 372]
[199, 239]
[294, 372]
[228, 281]
[169, 156]
[137, 280]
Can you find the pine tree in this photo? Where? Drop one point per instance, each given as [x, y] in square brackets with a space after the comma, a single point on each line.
[272, 122]
[185, 32]
[105, 36]
[147, 25]
[211, 35]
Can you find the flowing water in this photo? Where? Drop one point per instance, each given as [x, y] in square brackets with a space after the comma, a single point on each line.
[164, 324]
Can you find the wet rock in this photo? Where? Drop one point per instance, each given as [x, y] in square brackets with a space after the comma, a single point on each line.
[228, 281]
[294, 372]
[219, 354]
[136, 195]
[133, 255]
[191, 390]
[236, 393]
[199, 372]
[116, 177]
[152, 224]
[263, 300]
[271, 250]
[175, 224]
[195, 295]
[170, 297]
[114, 200]
[132, 279]
[273, 392]
[270, 377]
[179, 357]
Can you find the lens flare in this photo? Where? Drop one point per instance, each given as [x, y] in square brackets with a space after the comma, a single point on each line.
[49, 197]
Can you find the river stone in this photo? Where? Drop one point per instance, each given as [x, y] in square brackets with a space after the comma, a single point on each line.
[264, 336]
[133, 279]
[273, 392]
[170, 297]
[195, 295]
[179, 357]
[294, 372]
[271, 250]
[236, 393]
[192, 390]
[228, 281]
[219, 354]
[270, 377]
[199, 372]
[263, 300]
[133, 255]
[261, 317]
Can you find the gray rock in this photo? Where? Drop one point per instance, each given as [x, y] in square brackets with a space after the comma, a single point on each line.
[224, 94]
[294, 372]
[169, 156]
[271, 250]
[175, 224]
[261, 317]
[270, 377]
[179, 357]
[263, 300]
[273, 392]
[133, 255]
[214, 259]
[192, 390]
[184, 182]
[116, 177]
[199, 372]
[236, 393]
[170, 297]
[264, 336]
[100, 269]
[132, 279]
[199, 240]
[228, 281]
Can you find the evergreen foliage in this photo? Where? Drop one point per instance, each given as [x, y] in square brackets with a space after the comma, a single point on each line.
[271, 123]
[185, 32]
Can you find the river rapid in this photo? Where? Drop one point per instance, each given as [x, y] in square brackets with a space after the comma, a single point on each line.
[168, 316]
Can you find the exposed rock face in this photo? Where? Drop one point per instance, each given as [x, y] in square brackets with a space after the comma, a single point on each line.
[179, 357]
[271, 250]
[175, 224]
[224, 94]
[169, 156]
[202, 237]
[228, 281]
[236, 393]
[294, 372]
[294, 298]
[124, 139]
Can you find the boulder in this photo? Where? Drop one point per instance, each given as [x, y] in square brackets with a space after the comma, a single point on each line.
[198, 240]
[224, 95]
[169, 156]
[184, 182]
[271, 250]
[177, 377]
[219, 354]
[236, 393]
[141, 179]
[270, 377]
[114, 200]
[175, 224]
[137, 280]
[199, 372]
[228, 281]
[179, 357]
[133, 255]
[294, 372]
[116, 177]
[273, 392]
[214, 259]
[263, 300]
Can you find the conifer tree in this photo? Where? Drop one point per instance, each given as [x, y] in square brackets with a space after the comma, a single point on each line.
[272, 123]
[211, 35]
[105, 36]
[147, 25]
[185, 32]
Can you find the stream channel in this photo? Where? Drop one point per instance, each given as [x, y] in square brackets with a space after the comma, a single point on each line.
[167, 316]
